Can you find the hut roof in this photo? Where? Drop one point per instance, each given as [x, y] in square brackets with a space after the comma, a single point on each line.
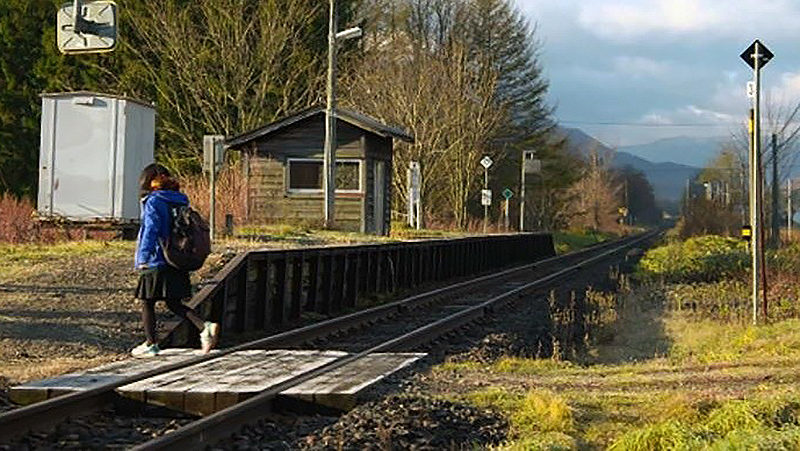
[354, 118]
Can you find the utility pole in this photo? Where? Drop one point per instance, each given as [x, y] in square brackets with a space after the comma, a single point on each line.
[776, 224]
[756, 56]
[789, 210]
[522, 195]
[329, 155]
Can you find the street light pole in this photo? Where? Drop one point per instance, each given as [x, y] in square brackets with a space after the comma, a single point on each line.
[329, 155]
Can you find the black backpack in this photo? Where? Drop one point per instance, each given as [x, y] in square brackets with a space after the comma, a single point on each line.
[188, 243]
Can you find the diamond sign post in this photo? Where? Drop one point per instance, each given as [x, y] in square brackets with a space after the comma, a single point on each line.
[756, 56]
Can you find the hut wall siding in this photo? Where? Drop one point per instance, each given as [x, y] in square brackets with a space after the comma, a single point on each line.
[369, 197]
[268, 199]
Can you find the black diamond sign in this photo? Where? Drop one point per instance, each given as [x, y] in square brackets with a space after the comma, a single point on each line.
[763, 52]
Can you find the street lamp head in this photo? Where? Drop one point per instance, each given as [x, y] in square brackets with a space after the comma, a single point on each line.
[350, 33]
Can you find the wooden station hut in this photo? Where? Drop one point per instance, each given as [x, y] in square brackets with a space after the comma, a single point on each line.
[283, 169]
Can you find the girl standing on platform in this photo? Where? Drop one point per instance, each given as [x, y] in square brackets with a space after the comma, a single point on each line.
[158, 280]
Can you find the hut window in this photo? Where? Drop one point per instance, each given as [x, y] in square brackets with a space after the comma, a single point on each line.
[305, 174]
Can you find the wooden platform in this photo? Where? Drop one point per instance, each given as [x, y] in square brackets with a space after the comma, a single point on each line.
[214, 385]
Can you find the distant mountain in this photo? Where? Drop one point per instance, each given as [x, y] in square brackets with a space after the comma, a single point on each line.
[668, 179]
[683, 150]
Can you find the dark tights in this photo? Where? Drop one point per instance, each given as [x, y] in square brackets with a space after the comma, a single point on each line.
[175, 306]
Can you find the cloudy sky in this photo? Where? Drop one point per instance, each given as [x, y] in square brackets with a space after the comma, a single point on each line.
[656, 66]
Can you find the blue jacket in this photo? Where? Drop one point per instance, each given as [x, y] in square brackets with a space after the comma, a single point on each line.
[155, 225]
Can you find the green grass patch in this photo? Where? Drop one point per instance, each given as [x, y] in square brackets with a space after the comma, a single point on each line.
[19, 259]
[574, 240]
[710, 341]
[542, 411]
[547, 441]
[734, 424]
[468, 365]
[534, 412]
[530, 366]
[34, 253]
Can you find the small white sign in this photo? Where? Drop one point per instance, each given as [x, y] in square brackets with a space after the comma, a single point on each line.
[97, 22]
[486, 162]
[751, 89]
[486, 197]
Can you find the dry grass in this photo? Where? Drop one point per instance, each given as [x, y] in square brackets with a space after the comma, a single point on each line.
[665, 381]
[231, 195]
[17, 220]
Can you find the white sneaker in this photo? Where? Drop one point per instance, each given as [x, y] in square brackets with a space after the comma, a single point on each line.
[145, 350]
[140, 348]
[209, 336]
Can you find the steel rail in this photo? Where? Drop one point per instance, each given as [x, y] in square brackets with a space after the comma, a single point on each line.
[46, 413]
[218, 425]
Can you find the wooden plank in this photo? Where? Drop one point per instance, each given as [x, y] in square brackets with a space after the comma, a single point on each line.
[278, 292]
[40, 390]
[351, 280]
[339, 389]
[172, 392]
[339, 268]
[224, 389]
[326, 288]
[312, 293]
[297, 286]
[260, 304]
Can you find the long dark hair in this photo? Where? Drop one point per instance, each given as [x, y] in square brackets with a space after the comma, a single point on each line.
[156, 176]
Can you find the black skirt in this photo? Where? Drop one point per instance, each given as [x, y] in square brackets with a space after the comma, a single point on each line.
[164, 282]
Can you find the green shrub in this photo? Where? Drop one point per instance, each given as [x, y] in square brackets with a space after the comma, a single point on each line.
[702, 259]
[574, 240]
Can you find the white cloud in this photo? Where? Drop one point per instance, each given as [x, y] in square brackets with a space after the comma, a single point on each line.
[628, 19]
[789, 89]
[636, 66]
[688, 115]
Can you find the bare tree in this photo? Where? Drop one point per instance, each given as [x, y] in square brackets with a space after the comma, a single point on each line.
[226, 66]
[597, 196]
[780, 132]
[448, 105]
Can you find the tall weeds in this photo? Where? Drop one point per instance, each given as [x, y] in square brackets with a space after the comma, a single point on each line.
[231, 195]
[17, 224]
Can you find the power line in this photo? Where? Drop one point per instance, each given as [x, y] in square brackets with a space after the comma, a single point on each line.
[636, 124]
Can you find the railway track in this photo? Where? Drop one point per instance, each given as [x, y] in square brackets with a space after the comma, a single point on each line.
[397, 326]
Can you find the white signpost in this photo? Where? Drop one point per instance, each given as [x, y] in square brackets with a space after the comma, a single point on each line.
[486, 194]
[414, 186]
[486, 197]
[213, 157]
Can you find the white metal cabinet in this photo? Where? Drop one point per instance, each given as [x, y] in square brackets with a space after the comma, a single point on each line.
[93, 147]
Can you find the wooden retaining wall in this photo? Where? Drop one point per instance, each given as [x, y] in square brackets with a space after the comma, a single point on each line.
[260, 290]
